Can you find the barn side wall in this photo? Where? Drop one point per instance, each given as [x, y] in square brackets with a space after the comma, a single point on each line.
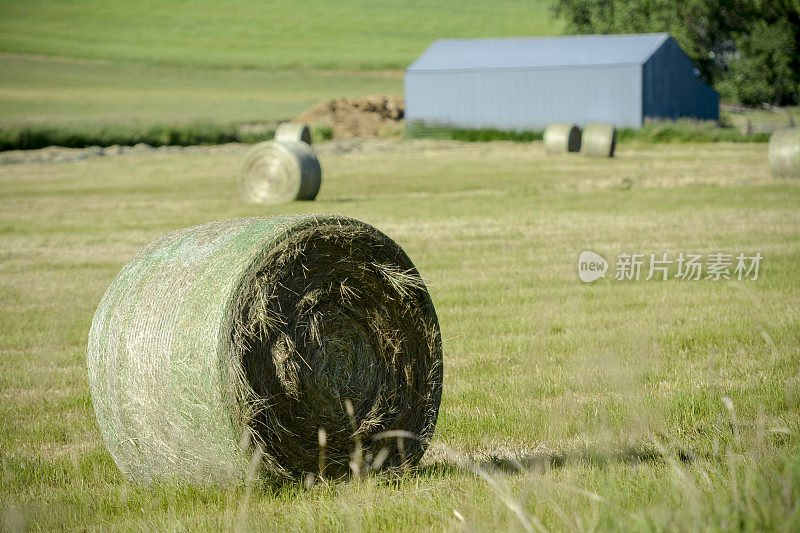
[670, 89]
[525, 99]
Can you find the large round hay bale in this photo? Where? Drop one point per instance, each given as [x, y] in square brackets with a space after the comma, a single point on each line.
[274, 172]
[562, 138]
[598, 140]
[784, 152]
[245, 338]
[293, 131]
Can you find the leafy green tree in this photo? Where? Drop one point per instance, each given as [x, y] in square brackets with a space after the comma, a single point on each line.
[765, 72]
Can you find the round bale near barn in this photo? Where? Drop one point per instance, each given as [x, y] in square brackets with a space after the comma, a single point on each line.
[274, 172]
[598, 140]
[560, 138]
[784, 152]
[295, 345]
[293, 131]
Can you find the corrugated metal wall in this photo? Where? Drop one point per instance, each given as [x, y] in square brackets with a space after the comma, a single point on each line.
[525, 99]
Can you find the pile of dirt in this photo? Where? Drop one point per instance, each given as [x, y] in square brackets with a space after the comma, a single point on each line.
[373, 115]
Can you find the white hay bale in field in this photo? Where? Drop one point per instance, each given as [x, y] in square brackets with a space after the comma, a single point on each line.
[240, 343]
[784, 152]
[561, 138]
[598, 140]
[279, 171]
[293, 131]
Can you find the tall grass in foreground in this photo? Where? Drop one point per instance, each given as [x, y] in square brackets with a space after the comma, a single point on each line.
[744, 485]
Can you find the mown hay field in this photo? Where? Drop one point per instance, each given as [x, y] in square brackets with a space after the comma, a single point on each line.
[567, 406]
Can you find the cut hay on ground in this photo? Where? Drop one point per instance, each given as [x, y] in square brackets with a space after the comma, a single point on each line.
[248, 338]
[274, 172]
[562, 138]
[293, 131]
[784, 152]
[598, 140]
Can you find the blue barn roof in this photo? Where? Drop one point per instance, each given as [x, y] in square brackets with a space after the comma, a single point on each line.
[538, 52]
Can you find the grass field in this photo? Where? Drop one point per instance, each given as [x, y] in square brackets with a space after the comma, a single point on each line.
[273, 34]
[62, 91]
[623, 405]
[165, 63]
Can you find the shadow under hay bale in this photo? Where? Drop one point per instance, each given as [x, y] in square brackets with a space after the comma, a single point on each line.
[784, 152]
[274, 172]
[562, 138]
[293, 131]
[598, 140]
[240, 340]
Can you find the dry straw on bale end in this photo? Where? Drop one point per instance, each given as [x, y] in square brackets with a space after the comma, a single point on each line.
[293, 131]
[562, 138]
[784, 152]
[245, 342]
[275, 172]
[598, 140]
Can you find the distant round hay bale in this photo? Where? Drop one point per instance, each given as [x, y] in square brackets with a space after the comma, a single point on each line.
[599, 140]
[293, 131]
[274, 172]
[784, 152]
[230, 345]
[562, 138]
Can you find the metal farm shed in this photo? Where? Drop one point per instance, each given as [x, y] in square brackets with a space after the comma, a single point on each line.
[528, 83]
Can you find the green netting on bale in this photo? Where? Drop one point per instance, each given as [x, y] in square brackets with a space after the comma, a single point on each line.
[246, 337]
